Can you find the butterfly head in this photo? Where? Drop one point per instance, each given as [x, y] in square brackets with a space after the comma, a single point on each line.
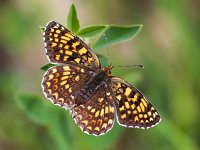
[108, 69]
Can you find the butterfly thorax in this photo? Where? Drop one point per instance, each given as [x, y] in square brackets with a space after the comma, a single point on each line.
[99, 77]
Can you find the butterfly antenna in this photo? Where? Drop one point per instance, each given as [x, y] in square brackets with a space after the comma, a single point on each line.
[108, 55]
[127, 66]
[107, 50]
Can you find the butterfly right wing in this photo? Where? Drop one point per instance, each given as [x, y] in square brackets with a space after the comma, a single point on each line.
[60, 84]
[133, 109]
[62, 46]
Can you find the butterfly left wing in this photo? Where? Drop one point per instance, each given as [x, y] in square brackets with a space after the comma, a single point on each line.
[133, 109]
[62, 46]
[96, 117]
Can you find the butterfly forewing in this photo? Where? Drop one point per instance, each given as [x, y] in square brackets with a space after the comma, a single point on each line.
[133, 110]
[60, 83]
[96, 116]
[62, 46]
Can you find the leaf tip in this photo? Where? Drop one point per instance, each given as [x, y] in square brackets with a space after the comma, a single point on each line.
[42, 28]
[140, 26]
[73, 5]
[72, 19]
[47, 66]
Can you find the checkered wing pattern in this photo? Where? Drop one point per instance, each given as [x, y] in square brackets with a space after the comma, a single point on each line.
[133, 110]
[96, 117]
[60, 84]
[91, 94]
[62, 46]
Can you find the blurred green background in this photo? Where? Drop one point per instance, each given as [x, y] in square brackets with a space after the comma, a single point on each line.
[168, 46]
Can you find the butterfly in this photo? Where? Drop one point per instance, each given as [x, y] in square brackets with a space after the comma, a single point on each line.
[92, 95]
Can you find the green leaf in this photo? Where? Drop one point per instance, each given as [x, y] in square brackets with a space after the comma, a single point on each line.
[54, 118]
[72, 20]
[116, 35]
[33, 106]
[47, 66]
[91, 31]
[103, 142]
[42, 28]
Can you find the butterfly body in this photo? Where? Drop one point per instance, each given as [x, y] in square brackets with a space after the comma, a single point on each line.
[92, 95]
[98, 79]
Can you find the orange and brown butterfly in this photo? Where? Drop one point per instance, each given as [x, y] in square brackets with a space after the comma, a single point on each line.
[93, 96]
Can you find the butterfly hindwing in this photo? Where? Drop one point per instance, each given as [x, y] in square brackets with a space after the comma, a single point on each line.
[62, 46]
[96, 116]
[60, 83]
[133, 110]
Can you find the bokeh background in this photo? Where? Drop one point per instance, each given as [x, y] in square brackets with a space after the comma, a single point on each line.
[168, 46]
